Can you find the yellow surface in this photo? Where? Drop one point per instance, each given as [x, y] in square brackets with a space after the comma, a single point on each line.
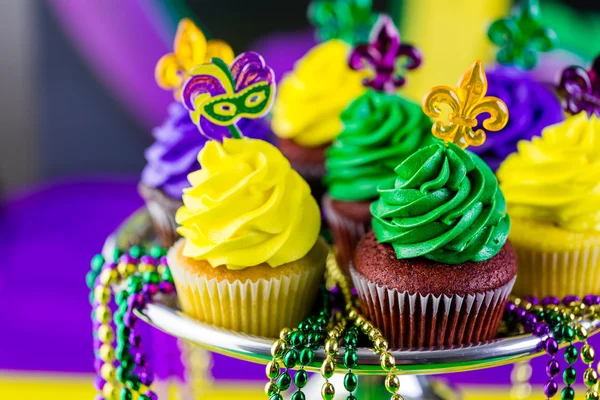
[15, 386]
[451, 35]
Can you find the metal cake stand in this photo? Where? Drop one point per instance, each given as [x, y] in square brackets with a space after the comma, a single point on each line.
[414, 364]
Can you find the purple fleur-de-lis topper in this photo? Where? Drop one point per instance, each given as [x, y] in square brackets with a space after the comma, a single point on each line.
[386, 56]
[580, 89]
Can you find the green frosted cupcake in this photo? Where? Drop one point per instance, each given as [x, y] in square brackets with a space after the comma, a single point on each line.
[380, 131]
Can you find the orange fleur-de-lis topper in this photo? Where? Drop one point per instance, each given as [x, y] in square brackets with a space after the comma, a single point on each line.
[463, 105]
[190, 49]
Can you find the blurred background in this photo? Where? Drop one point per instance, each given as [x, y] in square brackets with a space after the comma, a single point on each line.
[77, 105]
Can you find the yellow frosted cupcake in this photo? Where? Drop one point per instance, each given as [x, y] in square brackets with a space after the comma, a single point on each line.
[310, 100]
[552, 189]
[251, 258]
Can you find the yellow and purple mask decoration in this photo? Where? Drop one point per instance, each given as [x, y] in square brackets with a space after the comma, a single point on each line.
[455, 110]
[190, 49]
[219, 96]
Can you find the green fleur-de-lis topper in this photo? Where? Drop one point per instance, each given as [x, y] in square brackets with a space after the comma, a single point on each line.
[521, 36]
[348, 20]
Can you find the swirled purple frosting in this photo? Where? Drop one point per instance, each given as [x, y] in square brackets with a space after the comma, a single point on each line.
[174, 154]
[531, 105]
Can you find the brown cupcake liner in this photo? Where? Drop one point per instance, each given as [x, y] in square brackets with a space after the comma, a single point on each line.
[162, 211]
[346, 233]
[425, 321]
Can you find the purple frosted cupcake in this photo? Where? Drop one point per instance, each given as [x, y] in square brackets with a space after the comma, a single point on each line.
[170, 159]
[532, 107]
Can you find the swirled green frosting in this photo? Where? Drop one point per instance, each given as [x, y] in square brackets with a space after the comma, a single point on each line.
[444, 205]
[380, 131]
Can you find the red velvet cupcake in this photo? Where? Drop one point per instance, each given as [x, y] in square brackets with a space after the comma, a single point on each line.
[437, 268]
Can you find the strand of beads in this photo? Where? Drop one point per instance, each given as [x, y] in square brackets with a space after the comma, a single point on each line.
[314, 332]
[350, 361]
[331, 350]
[136, 378]
[296, 347]
[380, 345]
[565, 332]
[277, 383]
[558, 321]
[588, 354]
[103, 277]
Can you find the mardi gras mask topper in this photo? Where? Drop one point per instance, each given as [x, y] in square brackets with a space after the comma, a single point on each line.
[465, 103]
[218, 96]
[348, 20]
[580, 89]
[385, 56]
[521, 36]
[190, 49]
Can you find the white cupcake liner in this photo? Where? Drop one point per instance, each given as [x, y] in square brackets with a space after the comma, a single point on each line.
[346, 233]
[558, 273]
[259, 308]
[424, 321]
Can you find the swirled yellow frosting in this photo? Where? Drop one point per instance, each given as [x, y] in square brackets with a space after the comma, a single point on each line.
[311, 98]
[246, 206]
[555, 178]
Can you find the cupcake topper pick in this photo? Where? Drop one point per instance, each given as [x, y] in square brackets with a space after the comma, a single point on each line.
[465, 103]
[383, 54]
[348, 20]
[190, 49]
[521, 36]
[581, 89]
[218, 96]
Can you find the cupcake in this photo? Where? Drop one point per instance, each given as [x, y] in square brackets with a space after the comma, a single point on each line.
[306, 113]
[533, 106]
[552, 188]
[381, 129]
[174, 153]
[172, 156]
[250, 258]
[437, 268]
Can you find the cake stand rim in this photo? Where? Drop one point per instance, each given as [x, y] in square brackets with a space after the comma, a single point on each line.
[256, 349]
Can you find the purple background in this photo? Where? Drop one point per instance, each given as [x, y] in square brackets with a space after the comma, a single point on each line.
[48, 236]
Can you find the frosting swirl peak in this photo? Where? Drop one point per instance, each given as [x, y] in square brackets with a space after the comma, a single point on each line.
[380, 131]
[246, 207]
[444, 205]
[555, 178]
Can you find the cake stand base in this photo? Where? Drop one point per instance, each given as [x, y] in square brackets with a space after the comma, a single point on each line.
[412, 387]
